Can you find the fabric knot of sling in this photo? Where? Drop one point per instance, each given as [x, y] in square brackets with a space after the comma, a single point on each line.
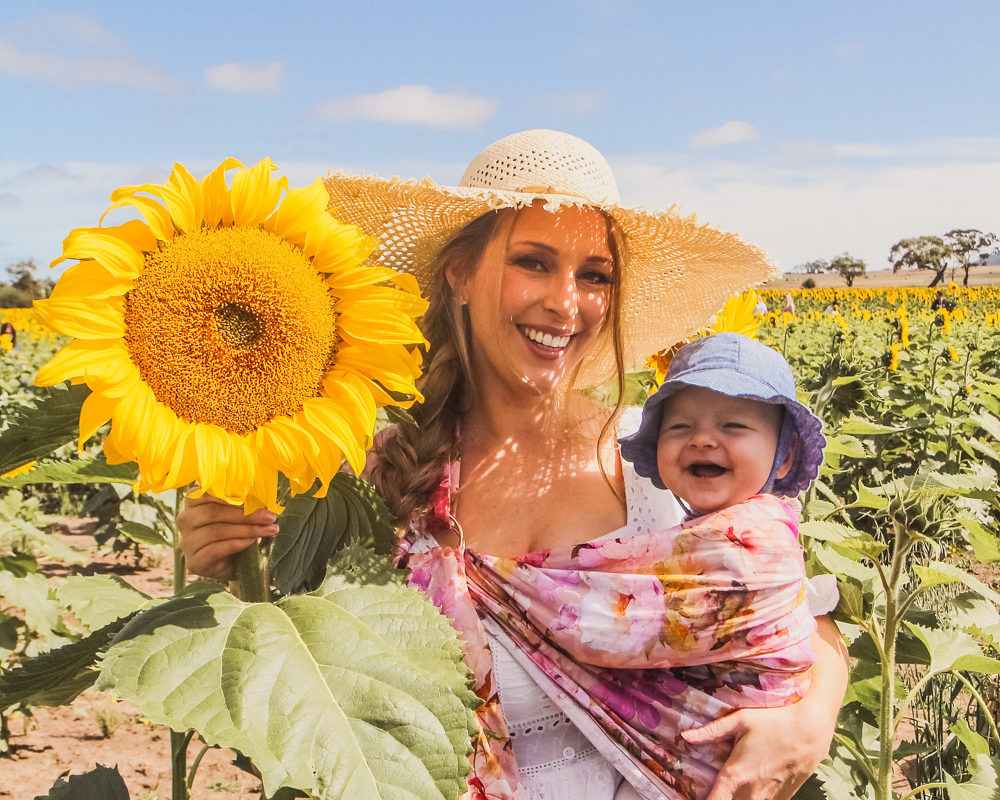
[635, 638]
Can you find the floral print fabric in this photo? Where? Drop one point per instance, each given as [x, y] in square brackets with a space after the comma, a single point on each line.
[650, 634]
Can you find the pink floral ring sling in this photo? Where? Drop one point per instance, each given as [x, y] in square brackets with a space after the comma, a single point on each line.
[636, 638]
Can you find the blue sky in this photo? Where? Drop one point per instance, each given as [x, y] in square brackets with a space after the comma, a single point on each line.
[810, 128]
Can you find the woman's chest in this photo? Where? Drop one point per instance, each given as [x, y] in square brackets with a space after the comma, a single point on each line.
[509, 517]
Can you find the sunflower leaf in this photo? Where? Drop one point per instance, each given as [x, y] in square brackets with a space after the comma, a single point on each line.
[34, 432]
[338, 693]
[94, 470]
[312, 529]
[57, 676]
[98, 600]
[101, 783]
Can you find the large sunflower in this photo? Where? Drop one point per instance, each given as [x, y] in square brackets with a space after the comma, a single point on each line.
[232, 335]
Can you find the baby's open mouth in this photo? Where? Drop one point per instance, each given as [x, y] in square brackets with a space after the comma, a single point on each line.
[706, 470]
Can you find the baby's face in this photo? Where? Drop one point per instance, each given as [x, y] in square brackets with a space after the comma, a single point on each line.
[714, 450]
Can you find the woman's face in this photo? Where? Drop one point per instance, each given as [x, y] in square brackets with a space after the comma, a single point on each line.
[539, 296]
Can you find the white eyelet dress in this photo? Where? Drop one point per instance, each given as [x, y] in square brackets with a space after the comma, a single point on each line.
[557, 762]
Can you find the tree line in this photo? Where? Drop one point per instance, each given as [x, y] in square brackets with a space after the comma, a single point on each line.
[961, 247]
[23, 286]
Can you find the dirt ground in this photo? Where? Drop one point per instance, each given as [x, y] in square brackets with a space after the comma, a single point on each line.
[97, 730]
[885, 278]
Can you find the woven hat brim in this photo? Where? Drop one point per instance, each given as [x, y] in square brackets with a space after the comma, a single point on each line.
[677, 274]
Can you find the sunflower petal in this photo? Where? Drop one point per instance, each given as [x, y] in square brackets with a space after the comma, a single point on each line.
[90, 279]
[215, 194]
[118, 256]
[96, 410]
[83, 319]
[254, 194]
[156, 215]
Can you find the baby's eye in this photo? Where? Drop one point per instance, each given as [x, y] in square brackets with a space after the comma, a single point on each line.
[676, 426]
[737, 425]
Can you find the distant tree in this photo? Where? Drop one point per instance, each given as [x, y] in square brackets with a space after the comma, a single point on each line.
[968, 243]
[814, 267]
[808, 283]
[922, 252]
[849, 267]
[22, 275]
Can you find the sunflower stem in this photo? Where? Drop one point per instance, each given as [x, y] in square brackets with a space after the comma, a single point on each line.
[250, 585]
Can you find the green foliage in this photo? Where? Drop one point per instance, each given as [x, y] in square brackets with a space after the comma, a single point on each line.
[101, 783]
[353, 690]
[312, 529]
[34, 431]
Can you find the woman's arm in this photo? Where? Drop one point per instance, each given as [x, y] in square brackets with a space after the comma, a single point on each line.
[776, 749]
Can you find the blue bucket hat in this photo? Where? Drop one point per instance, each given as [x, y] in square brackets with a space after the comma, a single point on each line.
[738, 366]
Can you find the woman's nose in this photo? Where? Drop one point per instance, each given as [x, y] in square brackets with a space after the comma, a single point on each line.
[562, 295]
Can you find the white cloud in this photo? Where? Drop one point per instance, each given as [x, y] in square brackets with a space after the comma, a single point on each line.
[242, 78]
[63, 71]
[730, 132]
[820, 207]
[411, 105]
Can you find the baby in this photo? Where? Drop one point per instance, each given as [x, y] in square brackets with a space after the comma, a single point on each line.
[725, 426]
[726, 435]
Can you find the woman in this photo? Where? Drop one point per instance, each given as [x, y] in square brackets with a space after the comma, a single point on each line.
[541, 283]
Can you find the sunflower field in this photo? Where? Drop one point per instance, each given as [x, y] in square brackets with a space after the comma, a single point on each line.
[905, 514]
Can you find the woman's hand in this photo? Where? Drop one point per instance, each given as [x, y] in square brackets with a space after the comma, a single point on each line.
[776, 749]
[212, 532]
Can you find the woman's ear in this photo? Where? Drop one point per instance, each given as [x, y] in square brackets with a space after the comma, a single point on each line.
[456, 282]
[793, 451]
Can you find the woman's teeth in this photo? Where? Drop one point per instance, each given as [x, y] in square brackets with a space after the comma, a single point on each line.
[546, 338]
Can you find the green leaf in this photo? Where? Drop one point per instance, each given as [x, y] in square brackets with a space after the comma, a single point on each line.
[143, 534]
[976, 615]
[954, 650]
[845, 446]
[984, 542]
[974, 743]
[101, 783]
[852, 600]
[311, 529]
[988, 423]
[57, 676]
[938, 573]
[983, 785]
[30, 593]
[864, 427]
[97, 600]
[94, 470]
[868, 499]
[34, 432]
[338, 693]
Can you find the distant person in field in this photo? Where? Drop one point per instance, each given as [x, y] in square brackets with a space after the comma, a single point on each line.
[833, 309]
[941, 302]
[789, 306]
[8, 337]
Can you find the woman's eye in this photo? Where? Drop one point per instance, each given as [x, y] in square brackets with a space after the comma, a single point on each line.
[529, 262]
[595, 278]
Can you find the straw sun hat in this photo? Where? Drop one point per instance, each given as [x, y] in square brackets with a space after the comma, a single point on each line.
[677, 273]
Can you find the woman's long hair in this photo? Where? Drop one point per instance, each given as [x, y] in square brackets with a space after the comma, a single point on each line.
[410, 463]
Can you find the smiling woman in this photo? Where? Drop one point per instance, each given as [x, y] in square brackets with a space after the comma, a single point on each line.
[541, 283]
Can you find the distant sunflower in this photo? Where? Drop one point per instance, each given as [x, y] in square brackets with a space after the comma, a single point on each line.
[737, 315]
[232, 335]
